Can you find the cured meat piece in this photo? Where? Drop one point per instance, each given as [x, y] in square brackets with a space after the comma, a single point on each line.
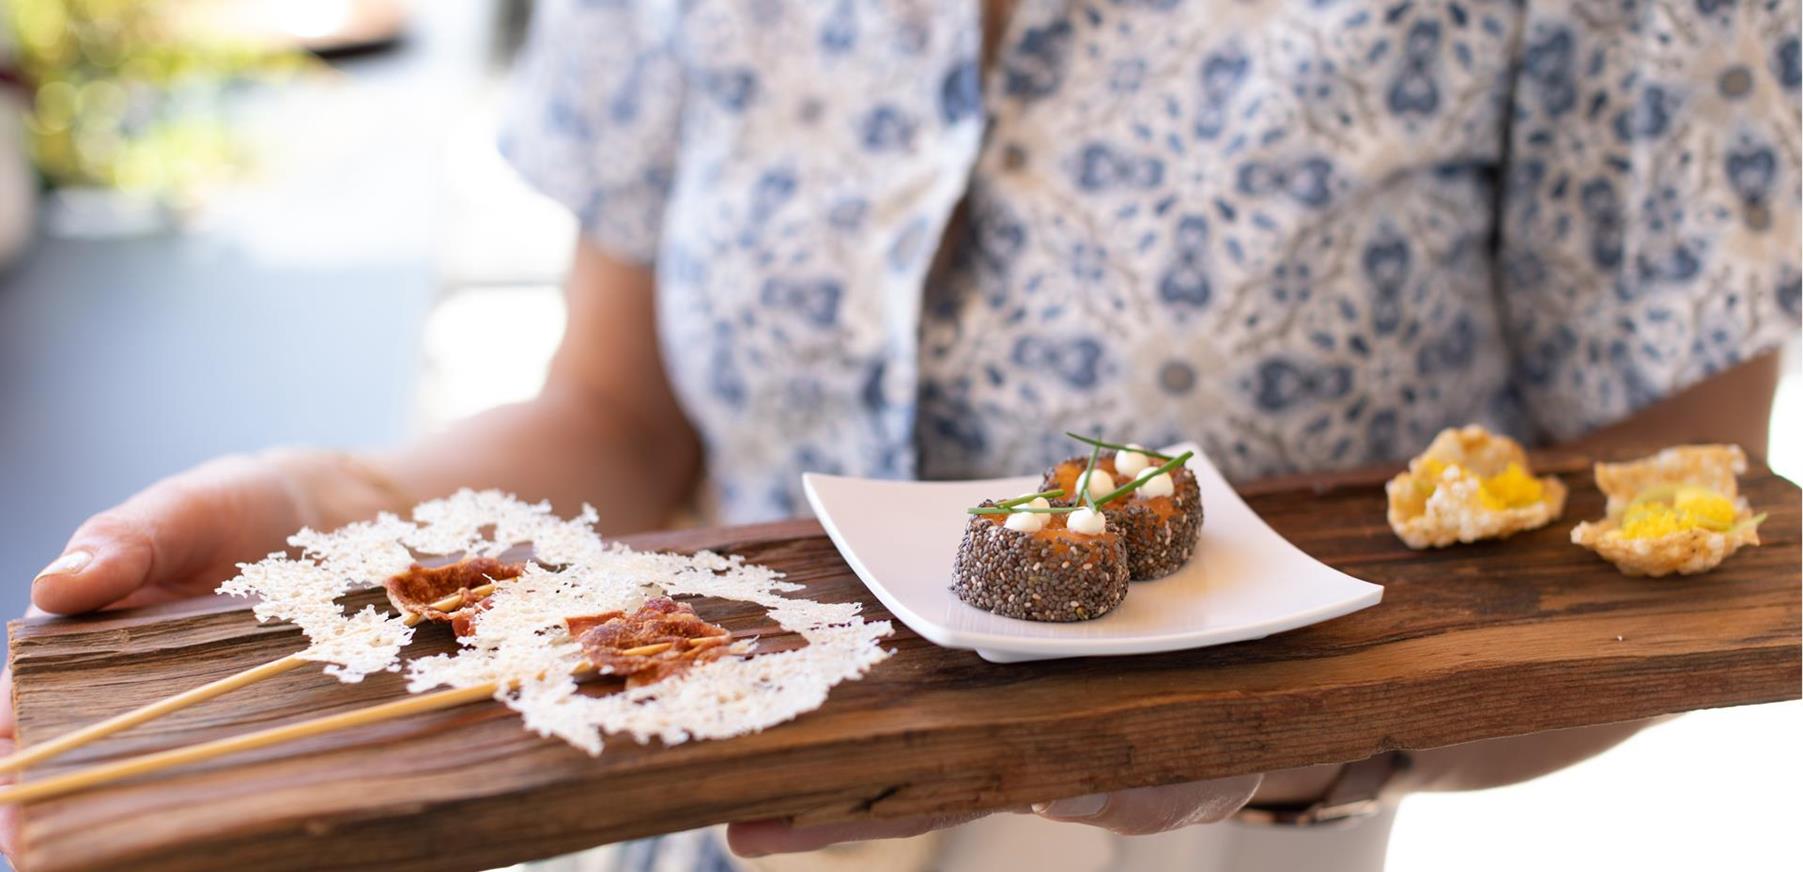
[413, 592]
[655, 641]
[583, 623]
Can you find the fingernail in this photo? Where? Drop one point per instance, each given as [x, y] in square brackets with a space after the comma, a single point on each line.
[1075, 808]
[68, 564]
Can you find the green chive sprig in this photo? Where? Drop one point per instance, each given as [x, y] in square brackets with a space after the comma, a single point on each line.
[1087, 440]
[1095, 454]
[1052, 494]
[998, 510]
[1017, 504]
[1135, 484]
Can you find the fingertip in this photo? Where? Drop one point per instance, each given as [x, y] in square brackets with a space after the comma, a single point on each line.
[747, 839]
[1147, 810]
[105, 562]
[762, 837]
[68, 593]
[1073, 809]
[49, 587]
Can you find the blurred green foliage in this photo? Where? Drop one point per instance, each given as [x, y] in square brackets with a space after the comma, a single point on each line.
[138, 94]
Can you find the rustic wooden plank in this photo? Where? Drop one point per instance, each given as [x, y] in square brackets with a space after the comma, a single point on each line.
[1470, 643]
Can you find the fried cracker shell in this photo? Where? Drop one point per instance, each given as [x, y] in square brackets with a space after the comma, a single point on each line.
[1455, 511]
[1686, 552]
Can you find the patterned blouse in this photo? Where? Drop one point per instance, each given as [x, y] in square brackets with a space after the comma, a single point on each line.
[1307, 233]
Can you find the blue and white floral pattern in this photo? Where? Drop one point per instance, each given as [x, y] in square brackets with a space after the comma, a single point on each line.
[1308, 233]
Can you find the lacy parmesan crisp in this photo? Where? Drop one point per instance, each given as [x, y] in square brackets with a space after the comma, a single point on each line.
[304, 591]
[520, 643]
[520, 638]
[1470, 484]
[1677, 511]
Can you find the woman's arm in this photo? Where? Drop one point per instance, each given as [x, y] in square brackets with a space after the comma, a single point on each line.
[1734, 406]
[605, 429]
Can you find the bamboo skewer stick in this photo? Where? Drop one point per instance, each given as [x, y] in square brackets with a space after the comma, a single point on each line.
[58, 785]
[148, 763]
[70, 741]
[75, 739]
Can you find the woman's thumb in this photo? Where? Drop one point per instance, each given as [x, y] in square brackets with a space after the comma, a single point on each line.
[174, 529]
[108, 558]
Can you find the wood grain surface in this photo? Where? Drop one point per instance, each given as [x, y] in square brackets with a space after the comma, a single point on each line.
[1471, 642]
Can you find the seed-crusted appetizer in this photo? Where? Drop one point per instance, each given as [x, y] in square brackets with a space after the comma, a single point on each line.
[1677, 511]
[1027, 558]
[1470, 484]
[1153, 500]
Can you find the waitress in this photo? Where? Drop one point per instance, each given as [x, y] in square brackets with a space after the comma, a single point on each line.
[922, 239]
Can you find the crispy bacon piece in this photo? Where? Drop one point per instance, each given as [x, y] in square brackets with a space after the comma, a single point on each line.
[413, 592]
[657, 640]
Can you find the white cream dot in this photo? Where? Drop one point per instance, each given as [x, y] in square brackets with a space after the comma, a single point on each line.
[1130, 463]
[1096, 482]
[1159, 485]
[1086, 522]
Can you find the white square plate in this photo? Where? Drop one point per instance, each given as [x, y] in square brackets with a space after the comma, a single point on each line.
[1245, 582]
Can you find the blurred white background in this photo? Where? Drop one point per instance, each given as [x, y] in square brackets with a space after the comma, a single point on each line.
[1710, 790]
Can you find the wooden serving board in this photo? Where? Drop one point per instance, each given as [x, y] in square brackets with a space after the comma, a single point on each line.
[1472, 642]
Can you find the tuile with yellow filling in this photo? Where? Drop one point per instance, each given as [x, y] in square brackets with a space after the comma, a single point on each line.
[1677, 511]
[1470, 484]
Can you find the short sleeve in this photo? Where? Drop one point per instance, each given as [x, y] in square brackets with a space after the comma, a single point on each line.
[1649, 216]
[594, 116]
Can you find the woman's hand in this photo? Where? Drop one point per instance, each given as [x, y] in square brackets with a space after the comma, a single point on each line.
[1141, 811]
[184, 535]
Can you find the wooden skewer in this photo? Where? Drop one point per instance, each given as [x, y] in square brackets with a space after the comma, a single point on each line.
[70, 741]
[148, 763]
[647, 650]
[143, 765]
[58, 785]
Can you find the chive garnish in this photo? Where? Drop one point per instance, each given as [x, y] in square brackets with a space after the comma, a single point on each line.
[1134, 485]
[1095, 454]
[998, 510]
[1113, 447]
[1016, 504]
[1052, 494]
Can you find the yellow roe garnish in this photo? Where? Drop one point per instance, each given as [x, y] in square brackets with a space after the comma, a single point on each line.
[1708, 508]
[1512, 488]
[1429, 479]
[1650, 521]
[1662, 511]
